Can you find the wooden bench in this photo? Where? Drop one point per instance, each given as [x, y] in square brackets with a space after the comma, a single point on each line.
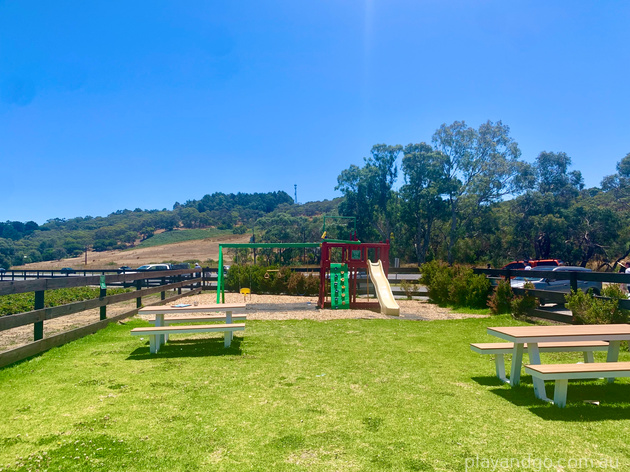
[499, 349]
[155, 331]
[561, 373]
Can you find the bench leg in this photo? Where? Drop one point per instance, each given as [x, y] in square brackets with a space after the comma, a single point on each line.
[499, 363]
[153, 343]
[517, 361]
[539, 384]
[161, 338]
[588, 357]
[228, 320]
[560, 393]
[227, 339]
[613, 355]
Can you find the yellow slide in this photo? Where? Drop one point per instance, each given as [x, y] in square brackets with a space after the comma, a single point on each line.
[383, 290]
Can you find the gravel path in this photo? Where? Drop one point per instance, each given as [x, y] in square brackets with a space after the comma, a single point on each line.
[260, 307]
[284, 307]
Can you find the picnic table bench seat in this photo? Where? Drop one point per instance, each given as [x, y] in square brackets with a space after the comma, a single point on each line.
[154, 331]
[499, 349]
[196, 319]
[562, 373]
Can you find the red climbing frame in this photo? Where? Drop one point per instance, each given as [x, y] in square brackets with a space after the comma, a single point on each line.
[356, 256]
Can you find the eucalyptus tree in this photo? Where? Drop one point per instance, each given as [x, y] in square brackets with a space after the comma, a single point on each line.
[369, 193]
[481, 167]
[619, 184]
[425, 177]
[553, 175]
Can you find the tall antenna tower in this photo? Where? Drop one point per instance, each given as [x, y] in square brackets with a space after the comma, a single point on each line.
[295, 188]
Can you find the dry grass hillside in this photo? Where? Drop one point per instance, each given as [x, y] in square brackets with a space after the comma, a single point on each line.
[202, 250]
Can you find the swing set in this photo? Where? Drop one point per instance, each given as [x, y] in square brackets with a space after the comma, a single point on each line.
[341, 262]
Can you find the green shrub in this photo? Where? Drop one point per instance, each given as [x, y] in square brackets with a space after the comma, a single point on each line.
[408, 287]
[613, 291]
[501, 299]
[522, 306]
[429, 269]
[458, 289]
[590, 310]
[270, 280]
[439, 289]
[300, 284]
[455, 285]
[312, 284]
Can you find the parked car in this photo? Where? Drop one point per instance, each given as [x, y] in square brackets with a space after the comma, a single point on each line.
[533, 263]
[553, 285]
[67, 270]
[154, 267]
[125, 268]
[2, 270]
[183, 265]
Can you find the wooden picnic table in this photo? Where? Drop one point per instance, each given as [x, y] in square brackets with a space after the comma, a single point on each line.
[532, 335]
[161, 311]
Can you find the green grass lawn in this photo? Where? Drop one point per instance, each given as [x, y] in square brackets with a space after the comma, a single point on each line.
[170, 237]
[299, 395]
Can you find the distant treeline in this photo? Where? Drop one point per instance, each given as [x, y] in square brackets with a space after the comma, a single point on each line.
[59, 238]
[466, 197]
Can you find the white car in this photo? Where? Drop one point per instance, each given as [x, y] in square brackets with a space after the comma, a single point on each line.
[553, 285]
[149, 267]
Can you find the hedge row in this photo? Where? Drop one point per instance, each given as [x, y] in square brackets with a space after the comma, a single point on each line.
[272, 280]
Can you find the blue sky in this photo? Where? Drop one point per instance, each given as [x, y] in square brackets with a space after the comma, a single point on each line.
[113, 105]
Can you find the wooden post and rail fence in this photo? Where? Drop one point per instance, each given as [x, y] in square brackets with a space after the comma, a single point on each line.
[146, 283]
[557, 297]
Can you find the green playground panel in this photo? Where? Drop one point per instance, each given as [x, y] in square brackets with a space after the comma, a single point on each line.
[339, 290]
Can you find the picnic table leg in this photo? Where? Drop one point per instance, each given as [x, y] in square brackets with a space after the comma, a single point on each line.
[613, 355]
[153, 348]
[517, 361]
[229, 335]
[161, 338]
[588, 357]
[499, 363]
[539, 384]
[560, 393]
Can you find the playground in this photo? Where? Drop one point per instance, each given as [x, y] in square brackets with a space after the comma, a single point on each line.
[296, 395]
[341, 262]
[320, 383]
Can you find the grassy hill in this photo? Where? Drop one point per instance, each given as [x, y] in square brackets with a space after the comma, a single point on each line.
[171, 237]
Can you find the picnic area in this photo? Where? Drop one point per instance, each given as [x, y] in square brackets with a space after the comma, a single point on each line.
[301, 391]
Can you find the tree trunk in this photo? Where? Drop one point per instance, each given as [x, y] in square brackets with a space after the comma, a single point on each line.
[451, 242]
[423, 239]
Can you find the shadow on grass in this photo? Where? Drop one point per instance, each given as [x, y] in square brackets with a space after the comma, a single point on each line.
[488, 381]
[612, 398]
[188, 348]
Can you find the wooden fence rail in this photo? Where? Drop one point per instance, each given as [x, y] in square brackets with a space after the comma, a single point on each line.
[155, 281]
[558, 297]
